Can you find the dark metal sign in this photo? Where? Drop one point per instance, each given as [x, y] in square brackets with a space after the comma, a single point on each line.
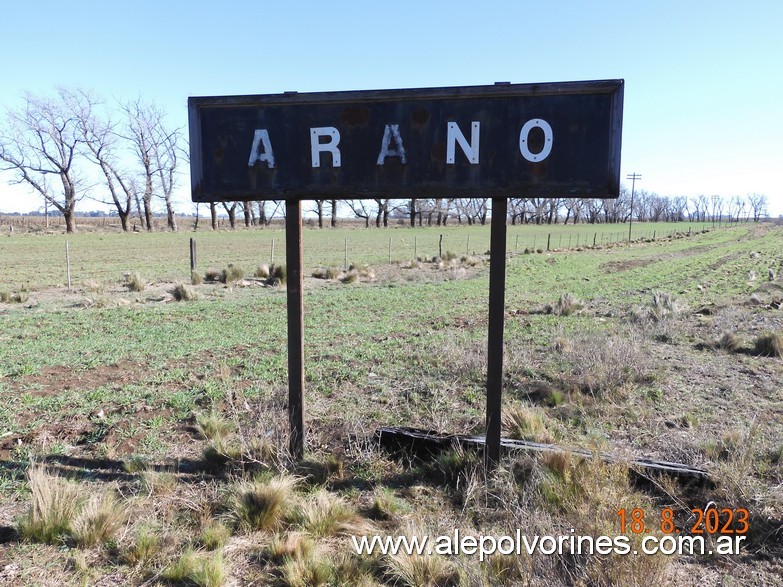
[548, 140]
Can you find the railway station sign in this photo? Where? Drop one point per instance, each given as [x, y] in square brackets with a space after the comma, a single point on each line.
[503, 140]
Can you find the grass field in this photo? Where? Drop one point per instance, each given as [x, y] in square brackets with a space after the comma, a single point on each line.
[158, 427]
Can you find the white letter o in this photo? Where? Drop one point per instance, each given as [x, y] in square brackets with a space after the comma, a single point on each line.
[525, 132]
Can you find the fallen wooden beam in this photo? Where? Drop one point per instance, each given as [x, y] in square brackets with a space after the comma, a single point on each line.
[426, 441]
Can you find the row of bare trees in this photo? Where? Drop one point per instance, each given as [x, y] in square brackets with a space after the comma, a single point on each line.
[72, 146]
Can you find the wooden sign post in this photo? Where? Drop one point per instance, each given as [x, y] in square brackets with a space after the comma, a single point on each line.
[525, 140]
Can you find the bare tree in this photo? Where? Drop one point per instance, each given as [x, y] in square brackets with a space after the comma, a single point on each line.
[101, 146]
[232, 213]
[319, 210]
[758, 205]
[360, 210]
[156, 148]
[39, 145]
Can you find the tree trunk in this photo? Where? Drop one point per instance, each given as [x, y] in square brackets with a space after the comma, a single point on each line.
[213, 215]
[334, 213]
[148, 215]
[171, 217]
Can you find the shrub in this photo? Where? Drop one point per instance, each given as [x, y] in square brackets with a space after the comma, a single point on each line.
[769, 344]
[134, 282]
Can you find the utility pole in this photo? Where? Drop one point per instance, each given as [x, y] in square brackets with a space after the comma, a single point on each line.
[633, 177]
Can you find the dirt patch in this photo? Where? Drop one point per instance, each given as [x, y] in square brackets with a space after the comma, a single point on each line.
[619, 266]
[53, 380]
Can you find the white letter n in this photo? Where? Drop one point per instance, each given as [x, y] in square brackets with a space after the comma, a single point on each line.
[454, 135]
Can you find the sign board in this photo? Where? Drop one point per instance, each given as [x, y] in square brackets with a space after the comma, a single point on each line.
[504, 140]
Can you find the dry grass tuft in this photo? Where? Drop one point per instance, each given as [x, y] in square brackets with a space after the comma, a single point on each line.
[416, 570]
[158, 482]
[769, 344]
[213, 275]
[196, 278]
[145, 546]
[55, 503]
[278, 274]
[524, 423]
[385, 506]
[326, 514]
[350, 277]
[728, 342]
[98, 520]
[134, 282]
[232, 274]
[184, 293]
[197, 569]
[214, 535]
[662, 306]
[312, 571]
[567, 305]
[262, 271]
[94, 286]
[213, 426]
[263, 504]
[292, 546]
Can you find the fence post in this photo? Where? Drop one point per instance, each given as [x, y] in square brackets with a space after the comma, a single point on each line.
[192, 255]
[548, 240]
[595, 236]
[440, 247]
[467, 246]
[516, 244]
[68, 263]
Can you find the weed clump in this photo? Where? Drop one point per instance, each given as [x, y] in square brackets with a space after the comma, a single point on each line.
[262, 271]
[350, 277]
[325, 514]
[769, 344]
[196, 278]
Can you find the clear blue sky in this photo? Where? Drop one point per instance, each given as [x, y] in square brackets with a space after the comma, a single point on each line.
[704, 80]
